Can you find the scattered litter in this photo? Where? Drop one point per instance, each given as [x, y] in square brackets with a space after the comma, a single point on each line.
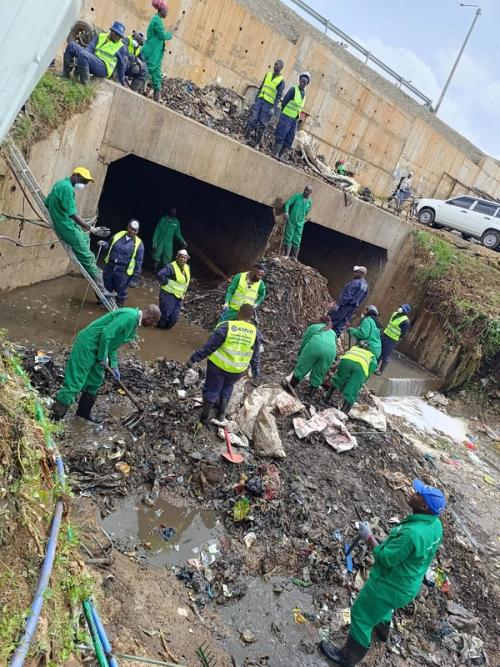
[182, 612]
[167, 533]
[370, 415]
[191, 378]
[249, 539]
[248, 637]
[122, 467]
[301, 583]
[241, 509]
[299, 616]
[287, 405]
[489, 480]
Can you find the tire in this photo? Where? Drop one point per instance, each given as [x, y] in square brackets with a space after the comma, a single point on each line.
[82, 33]
[426, 216]
[491, 239]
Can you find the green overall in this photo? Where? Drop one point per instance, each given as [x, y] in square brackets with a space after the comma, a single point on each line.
[368, 331]
[167, 231]
[401, 562]
[351, 375]
[154, 48]
[232, 313]
[62, 205]
[297, 208]
[316, 354]
[99, 341]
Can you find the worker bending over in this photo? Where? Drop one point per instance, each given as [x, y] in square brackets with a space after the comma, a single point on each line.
[95, 347]
[123, 261]
[167, 230]
[317, 353]
[245, 287]
[174, 279]
[296, 210]
[395, 579]
[291, 107]
[69, 226]
[368, 331]
[354, 369]
[397, 327]
[232, 347]
[105, 53]
[266, 104]
[351, 297]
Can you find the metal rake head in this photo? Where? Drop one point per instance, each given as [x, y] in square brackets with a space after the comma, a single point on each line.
[205, 656]
[133, 420]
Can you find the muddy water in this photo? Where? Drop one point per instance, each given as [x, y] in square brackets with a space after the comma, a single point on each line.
[164, 534]
[426, 418]
[53, 311]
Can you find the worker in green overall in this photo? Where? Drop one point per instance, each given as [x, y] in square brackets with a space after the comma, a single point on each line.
[316, 354]
[95, 347]
[247, 287]
[296, 210]
[69, 226]
[368, 331]
[354, 369]
[167, 230]
[154, 48]
[401, 562]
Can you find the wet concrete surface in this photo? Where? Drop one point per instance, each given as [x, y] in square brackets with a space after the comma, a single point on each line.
[52, 312]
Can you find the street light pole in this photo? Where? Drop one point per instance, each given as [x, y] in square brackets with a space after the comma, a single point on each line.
[460, 53]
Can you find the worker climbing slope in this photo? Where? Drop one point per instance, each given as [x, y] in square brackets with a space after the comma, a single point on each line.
[167, 231]
[123, 261]
[397, 327]
[368, 331]
[247, 287]
[95, 347]
[296, 210]
[174, 280]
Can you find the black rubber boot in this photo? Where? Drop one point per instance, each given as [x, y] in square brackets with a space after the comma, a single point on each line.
[84, 76]
[346, 407]
[295, 254]
[312, 393]
[156, 95]
[220, 415]
[294, 381]
[206, 409]
[278, 150]
[85, 405]
[349, 655]
[58, 411]
[286, 250]
[382, 368]
[383, 631]
[282, 152]
[259, 135]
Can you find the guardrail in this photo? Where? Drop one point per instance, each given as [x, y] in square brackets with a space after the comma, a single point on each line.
[369, 57]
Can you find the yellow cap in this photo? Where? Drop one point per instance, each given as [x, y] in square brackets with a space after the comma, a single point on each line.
[83, 171]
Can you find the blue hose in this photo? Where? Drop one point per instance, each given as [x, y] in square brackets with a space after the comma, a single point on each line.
[103, 636]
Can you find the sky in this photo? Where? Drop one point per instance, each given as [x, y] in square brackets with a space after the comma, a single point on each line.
[420, 40]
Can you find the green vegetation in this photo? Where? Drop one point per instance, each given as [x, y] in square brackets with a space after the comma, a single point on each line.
[51, 103]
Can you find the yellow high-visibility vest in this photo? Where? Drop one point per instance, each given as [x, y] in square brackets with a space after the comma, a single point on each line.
[295, 106]
[106, 51]
[269, 88]
[244, 293]
[393, 330]
[362, 356]
[235, 354]
[131, 264]
[178, 286]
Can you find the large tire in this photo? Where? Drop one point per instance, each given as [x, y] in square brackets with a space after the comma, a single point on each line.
[426, 216]
[491, 239]
[82, 33]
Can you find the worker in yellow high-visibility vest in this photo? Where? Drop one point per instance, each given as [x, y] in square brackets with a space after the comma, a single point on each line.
[397, 327]
[354, 369]
[123, 261]
[174, 279]
[266, 103]
[291, 107]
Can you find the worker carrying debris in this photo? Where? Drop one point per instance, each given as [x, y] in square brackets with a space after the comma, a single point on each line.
[401, 562]
[137, 70]
[69, 226]
[167, 230]
[368, 331]
[296, 210]
[95, 347]
[317, 353]
[123, 261]
[247, 287]
[351, 297]
[397, 327]
[354, 369]
[232, 347]
[266, 104]
[174, 279]
[154, 48]
[291, 108]
[105, 54]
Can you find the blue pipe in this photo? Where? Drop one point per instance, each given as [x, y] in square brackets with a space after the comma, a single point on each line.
[108, 650]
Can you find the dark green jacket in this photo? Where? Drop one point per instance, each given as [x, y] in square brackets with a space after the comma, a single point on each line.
[368, 331]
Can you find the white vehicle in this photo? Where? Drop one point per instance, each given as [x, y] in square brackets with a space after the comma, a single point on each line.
[473, 217]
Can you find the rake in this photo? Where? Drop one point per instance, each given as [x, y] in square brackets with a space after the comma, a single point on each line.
[205, 656]
[136, 417]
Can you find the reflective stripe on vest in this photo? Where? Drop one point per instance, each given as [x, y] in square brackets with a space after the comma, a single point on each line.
[244, 293]
[235, 354]
[133, 50]
[106, 51]
[295, 106]
[131, 264]
[269, 88]
[393, 330]
[362, 356]
[179, 286]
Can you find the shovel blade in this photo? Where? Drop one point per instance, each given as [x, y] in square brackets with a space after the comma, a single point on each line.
[232, 457]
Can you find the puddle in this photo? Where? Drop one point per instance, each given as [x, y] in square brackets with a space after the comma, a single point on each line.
[51, 312]
[426, 418]
[133, 522]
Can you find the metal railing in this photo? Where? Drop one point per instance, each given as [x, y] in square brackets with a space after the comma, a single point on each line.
[369, 57]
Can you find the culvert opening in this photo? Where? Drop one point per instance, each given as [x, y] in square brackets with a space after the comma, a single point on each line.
[222, 229]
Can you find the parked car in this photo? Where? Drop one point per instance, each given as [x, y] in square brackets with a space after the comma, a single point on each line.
[473, 217]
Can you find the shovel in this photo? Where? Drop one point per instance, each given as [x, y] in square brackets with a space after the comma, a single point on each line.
[136, 417]
[229, 455]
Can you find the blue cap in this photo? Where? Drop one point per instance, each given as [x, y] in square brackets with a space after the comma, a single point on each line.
[434, 498]
[119, 28]
[406, 308]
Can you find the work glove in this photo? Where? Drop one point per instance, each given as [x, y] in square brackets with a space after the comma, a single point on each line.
[364, 530]
[133, 284]
[189, 364]
[285, 215]
[115, 372]
[100, 231]
[225, 306]
[102, 244]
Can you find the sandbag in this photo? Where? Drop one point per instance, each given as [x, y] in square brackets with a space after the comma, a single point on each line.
[266, 437]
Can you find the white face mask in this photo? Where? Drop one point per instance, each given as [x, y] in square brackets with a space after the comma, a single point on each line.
[80, 186]
[135, 43]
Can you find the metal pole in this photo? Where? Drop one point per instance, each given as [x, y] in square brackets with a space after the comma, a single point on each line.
[460, 53]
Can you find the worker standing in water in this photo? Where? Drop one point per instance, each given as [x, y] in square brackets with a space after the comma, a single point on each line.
[296, 210]
[351, 297]
[248, 287]
[95, 347]
[395, 579]
[266, 103]
[397, 327]
[123, 261]
[231, 349]
[354, 369]
[69, 226]
[368, 331]
[291, 108]
[174, 279]
[167, 231]
[317, 353]
[154, 48]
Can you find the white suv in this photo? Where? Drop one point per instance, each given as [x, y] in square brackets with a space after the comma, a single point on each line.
[473, 217]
